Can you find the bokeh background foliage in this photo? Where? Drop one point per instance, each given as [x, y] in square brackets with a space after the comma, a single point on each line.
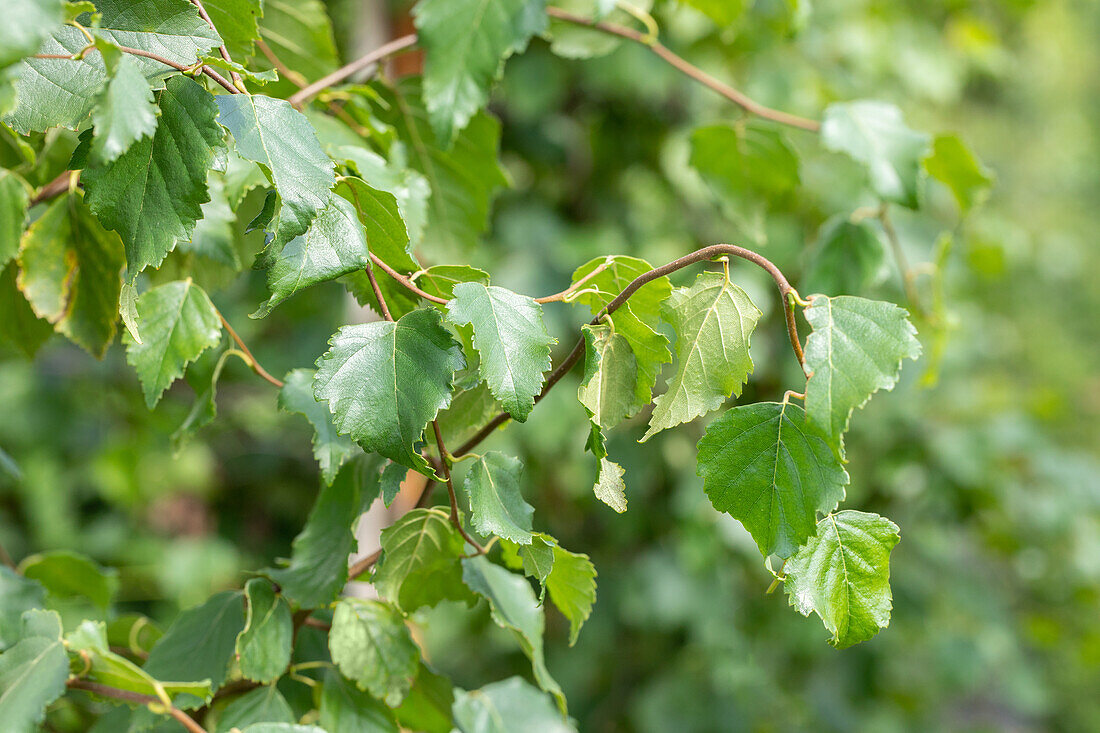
[985, 454]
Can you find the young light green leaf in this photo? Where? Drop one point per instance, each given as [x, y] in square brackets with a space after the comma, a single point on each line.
[875, 134]
[346, 709]
[723, 12]
[856, 348]
[610, 487]
[511, 339]
[745, 159]
[20, 327]
[496, 500]
[572, 587]
[466, 43]
[318, 567]
[610, 375]
[14, 198]
[419, 563]
[70, 273]
[17, 594]
[66, 574]
[32, 675]
[199, 645]
[153, 193]
[713, 320]
[262, 705]
[127, 110]
[272, 133]
[385, 381]
[178, 323]
[329, 448]
[954, 165]
[263, 646]
[773, 471]
[513, 606]
[371, 645]
[508, 706]
[849, 258]
[843, 574]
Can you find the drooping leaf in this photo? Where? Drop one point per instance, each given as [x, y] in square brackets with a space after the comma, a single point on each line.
[386, 381]
[205, 407]
[875, 134]
[953, 164]
[20, 327]
[14, 198]
[849, 258]
[371, 645]
[127, 110]
[270, 132]
[347, 709]
[745, 159]
[410, 188]
[513, 606]
[32, 675]
[178, 323]
[772, 470]
[153, 193]
[713, 320]
[393, 475]
[610, 375]
[318, 567]
[511, 339]
[507, 706]
[70, 272]
[380, 216]
[329, 448]
[536, 560]
[466, 43]
[843, 574]
[496, 499]
[572, 587]
[856, 348]
[610, 487]
[17, 594]
[199, 644]
[66, 574]
[262, 705]
[420, 561]
[263, 646]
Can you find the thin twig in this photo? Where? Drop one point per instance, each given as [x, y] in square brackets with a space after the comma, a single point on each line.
[395, 46]
[247, 352]
[699, 255]
[148, 55]
[290, 74]
[444, 463]
[56, 187]
[378, 293]
[363, 564]
[6, 558]
[237, 81]
[906, 273]
[136, 698]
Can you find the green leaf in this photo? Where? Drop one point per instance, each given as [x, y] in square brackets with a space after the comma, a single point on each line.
[66, 574]
[513, 606]
[127, 110]
[14, 198]
[153, 193]
[713, 320]
[723, 12]
[636, 320]
[299, 33]
[610, 376]
[393, 475]
[282, 728]
[843, 574]
[427, 707]
[536, 560]
[470, 410]
[346, 709]
[573, 41]
[420, 561]
[262, 705]
[466, 43]
[330, 449]
[205, 408]
[20, 327]
[511, 339]
[272, 133]
[610, 487]
[318, 567]
[411, 189]
[237, 22]
[386, 381]
[856, 348]
[380, 215]
[849, 258]
[70, 273]
[371, 645]
[741, 159]
[773, 471]
[27, 24]
[178, 323]
[496, 500]
[441, 280]
[463, 179]
[263, 647]
[874, 134]
[32, 675]
[199, 644]
[17, 594]
[507, 706]
[954, 165]
[572, 587]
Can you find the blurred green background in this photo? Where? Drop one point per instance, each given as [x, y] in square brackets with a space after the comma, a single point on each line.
[987, 454]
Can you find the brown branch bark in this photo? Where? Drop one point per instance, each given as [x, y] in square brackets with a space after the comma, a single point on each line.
[148, 55]
[136, 698]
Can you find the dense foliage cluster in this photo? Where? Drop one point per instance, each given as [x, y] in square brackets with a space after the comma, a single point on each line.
[141, 139]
